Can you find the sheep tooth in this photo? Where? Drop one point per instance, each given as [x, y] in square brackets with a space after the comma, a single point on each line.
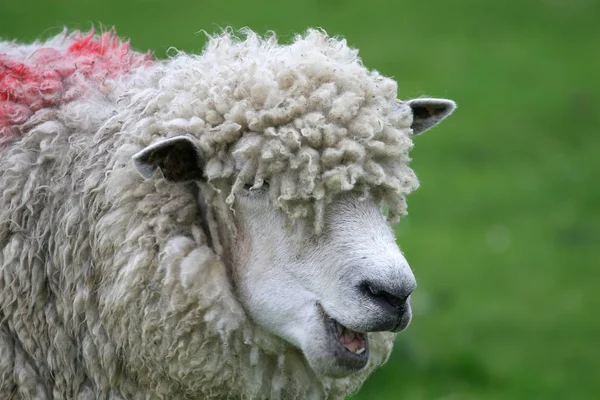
[361, 350]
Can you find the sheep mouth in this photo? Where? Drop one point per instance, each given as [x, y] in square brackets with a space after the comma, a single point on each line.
[349, 348]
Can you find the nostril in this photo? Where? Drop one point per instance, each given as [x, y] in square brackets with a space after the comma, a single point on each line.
[396, 300]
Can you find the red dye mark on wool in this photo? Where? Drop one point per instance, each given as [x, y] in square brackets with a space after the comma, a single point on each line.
[52, 76]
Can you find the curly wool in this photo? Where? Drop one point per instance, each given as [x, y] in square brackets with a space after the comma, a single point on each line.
[307, 118]
[48, 75]
[110, 284]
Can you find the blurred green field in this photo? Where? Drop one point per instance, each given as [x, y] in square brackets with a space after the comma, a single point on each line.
[504, 233]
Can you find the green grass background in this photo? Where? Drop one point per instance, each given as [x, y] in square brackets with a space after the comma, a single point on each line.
[504, 233]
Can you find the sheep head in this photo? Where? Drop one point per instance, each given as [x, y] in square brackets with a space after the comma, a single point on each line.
[299, 148]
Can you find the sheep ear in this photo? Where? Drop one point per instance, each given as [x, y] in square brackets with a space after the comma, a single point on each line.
[177, 158]
[429, 112]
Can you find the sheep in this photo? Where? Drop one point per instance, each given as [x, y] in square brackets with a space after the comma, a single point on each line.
[205, 226]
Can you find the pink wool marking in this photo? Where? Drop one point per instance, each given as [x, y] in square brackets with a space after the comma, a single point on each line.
[50, 76]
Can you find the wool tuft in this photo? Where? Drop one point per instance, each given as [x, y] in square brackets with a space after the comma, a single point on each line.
[49, 76]
[307, 118]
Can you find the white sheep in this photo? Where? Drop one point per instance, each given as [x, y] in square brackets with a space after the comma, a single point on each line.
[207, 226]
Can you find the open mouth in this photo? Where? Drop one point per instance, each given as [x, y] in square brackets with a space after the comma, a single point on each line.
[348, 347]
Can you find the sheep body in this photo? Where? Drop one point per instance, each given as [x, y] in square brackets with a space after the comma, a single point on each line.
[115, 287]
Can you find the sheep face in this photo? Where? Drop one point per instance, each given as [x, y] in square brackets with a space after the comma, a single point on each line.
[324, 293]
[330, 291]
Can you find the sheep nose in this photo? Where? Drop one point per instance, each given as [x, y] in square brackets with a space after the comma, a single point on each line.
[391, 298]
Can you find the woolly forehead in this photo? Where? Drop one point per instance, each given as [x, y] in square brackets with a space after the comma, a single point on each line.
[308, 117]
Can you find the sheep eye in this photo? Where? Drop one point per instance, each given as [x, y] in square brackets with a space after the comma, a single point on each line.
[249, 187]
